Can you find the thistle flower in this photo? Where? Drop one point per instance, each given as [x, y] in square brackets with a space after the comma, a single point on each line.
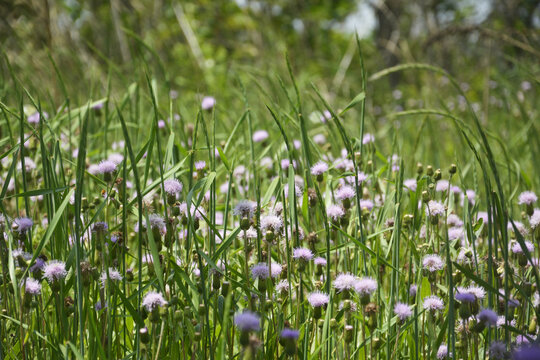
[465, 297]
[54, 271]
[282, 287]
[527, 352]
[320, 261]
[527, 198]
[345, 193]
[403, 311]
[345, 281]
[497, 351]
[335, 212]
[289, 334]
[410, 184]
[442, 185]
[368, 138]
[153, 300]
[366, 204]
[288, 338]
[200, 165]
[271, 223]
[518, 249]
[260, 271]
[247, 321]
[433, 303]
[365, 286]
[487, 317]
[114, 275]
[319, 168]
[477, 291]
[275, 270]
[302, 254]
[100, 227]
[106, 167]
[208, 102]
[260, 135]
[434, 208]
[534, 220]
[35, 118]
[245, 208]
[413, 290]
[172, 187]
[32, 287]
[318, 299]
[22, 225]
[433, 262]
[442, 352]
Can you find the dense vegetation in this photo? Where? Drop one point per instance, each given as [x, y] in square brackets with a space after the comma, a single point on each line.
[213, 180]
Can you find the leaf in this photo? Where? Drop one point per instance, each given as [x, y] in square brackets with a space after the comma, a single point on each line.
[357, 99]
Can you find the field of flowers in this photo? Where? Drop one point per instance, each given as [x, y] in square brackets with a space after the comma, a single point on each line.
[271, 218]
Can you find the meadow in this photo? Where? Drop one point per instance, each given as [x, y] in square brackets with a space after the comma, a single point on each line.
[269, 212]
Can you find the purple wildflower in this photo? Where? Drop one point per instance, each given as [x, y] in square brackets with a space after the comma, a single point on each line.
[403, 311]
[247, 321]
[22, 224]
[345, 192]
[172, 187]
[497, 351]
[320, 261]
[465, 297]
[433, 303]
[527, 352]
[208, 102]
[245, 208]
[433, 262]
[319, 168]
[442, 352]
[260, 135]
[365, 286]
[271, 223]
[260, 271]
[368, 138]
[527, 198]
[410, 184]
[413, 290]
[518, 249]
[302, 254]
[152, 300]
[345, 281]
[318, 299]
[434, 208]
[488, 317]
[32, 287]
[54, 270]
[106, 167]
[335, 212]
[289, 334]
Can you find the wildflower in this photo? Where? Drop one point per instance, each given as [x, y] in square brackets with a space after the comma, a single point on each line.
[366, 204]
[454, 220]
[434, 209]
[35, 118]
[413, 290]
[200, 165]
[465, 297]
[442, 352]
[477, 291]
[153, 300]
[522, 340]
[488, 316]
[326, 116]
[282, 287]
[32, 287]
[275, 270]
[100, 227]
[302, 254]
[527, 198]
[319, 169]
[318, 299]
[403, 311]
[260, 135]
[534, 220]
[319, 139]
[335, 212]
[245, 209]
[368, 138]
[365, 287]
[497, 351]
[345, 282]
[107, 167]
[247, 322]
[22, 225]
[442, 185]
[518, 249]
[527, 352]
[433, 303]
[172, 187]
[271, 224]
[260, 271]
[114, 275]
[319, 261]
[433, 262]
[410, 184]
[208, 102]
[288, 338]
[54, 271]
[345, 194]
